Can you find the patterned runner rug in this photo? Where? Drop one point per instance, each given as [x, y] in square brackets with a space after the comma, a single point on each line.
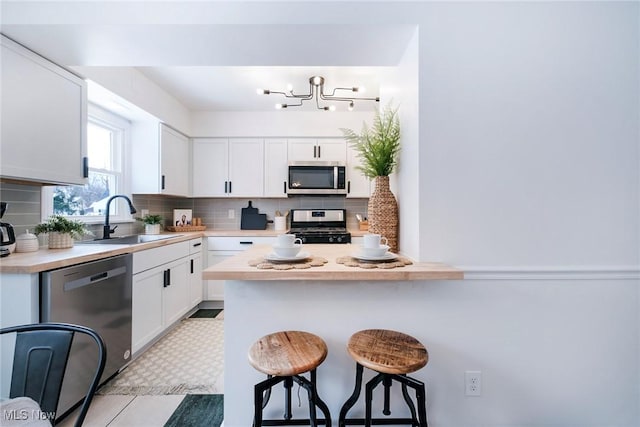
[188, 360]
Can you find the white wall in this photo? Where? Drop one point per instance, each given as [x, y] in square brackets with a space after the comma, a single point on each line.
[135, 87]
[399, 89]
[276, 123]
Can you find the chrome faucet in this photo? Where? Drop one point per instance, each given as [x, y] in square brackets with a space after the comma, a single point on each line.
[106, 228]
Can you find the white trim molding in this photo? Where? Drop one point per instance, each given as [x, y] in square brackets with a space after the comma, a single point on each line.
[605, 272]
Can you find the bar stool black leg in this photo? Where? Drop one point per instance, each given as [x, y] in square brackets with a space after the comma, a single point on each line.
[373, 383]
[353, 398]
[386, 382]
[288, 383]
[319, 402]
[422, 407]
[259, 395]
[407, 398]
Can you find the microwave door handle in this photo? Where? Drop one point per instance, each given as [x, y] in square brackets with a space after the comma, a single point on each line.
[335, 177]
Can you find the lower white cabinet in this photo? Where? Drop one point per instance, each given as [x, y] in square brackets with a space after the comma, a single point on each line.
[163, 288]
[196, 290]
[221, 248]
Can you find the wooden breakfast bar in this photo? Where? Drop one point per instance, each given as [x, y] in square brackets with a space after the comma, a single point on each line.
[330, 298]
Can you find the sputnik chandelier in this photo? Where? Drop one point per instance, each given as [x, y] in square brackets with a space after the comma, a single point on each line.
[316, 90]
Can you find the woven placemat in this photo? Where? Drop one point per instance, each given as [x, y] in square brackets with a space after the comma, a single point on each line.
[263, 264]
[350, 261]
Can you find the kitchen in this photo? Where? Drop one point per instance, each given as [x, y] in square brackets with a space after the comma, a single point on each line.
[540, 212]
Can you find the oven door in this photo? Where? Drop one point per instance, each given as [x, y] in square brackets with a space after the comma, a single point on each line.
[317, 178]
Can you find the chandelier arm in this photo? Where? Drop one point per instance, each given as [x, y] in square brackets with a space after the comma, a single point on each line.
[340, 98]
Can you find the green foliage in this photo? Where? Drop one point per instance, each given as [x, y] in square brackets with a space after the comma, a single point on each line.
[378, 146]
[61, 224]
[151, 219]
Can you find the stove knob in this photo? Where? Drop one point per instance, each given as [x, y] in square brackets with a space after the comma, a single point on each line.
[303, 239]
[339, 239]
[330, 239]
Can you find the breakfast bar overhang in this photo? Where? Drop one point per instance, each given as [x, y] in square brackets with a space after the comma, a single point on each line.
[332, 301]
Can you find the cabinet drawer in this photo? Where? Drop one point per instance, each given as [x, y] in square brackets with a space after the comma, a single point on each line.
[195, 246]
[144, 260]
[237, 243]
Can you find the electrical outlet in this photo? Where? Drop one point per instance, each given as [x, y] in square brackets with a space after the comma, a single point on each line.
[472, 383]
[232, 214]
[144, 212]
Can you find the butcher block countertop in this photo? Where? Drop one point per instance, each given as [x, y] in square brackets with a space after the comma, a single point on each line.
[238, 268]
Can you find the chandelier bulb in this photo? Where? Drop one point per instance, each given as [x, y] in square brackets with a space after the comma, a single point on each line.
[351, 106]
[332, 108]
[280, 106]
[289, 87]
[263, 91]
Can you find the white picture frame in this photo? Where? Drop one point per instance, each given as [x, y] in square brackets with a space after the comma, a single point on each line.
[182, 217]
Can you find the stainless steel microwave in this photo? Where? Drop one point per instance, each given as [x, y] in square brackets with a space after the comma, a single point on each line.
[317, 178]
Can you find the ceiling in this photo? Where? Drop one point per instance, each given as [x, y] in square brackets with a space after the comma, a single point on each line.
[213, 66]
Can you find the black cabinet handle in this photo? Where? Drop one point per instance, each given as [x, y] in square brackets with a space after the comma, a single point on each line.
[165, 279]
[319, 151]
[314, 151]
[229, 187]
[246, 243]
[163, 182]
[191, 266]
[85, 167]
[285, 187]
[226, 187]
[195, 245]
[168, 277]
[348, 186]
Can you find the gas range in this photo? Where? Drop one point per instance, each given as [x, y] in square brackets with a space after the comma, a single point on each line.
[320, 225]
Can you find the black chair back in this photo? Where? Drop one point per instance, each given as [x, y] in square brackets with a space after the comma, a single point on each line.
[40, 361]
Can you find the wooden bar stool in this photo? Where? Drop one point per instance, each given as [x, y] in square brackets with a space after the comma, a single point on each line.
[283, 356]
[393, 355]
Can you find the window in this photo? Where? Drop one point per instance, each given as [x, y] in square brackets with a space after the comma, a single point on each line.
[106, 135]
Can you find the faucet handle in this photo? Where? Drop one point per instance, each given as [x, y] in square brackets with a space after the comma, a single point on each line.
[113, 230]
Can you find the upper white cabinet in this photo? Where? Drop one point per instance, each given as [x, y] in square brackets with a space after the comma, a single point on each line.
[160, 160]
[44, 116]
[228, 167]
[358, 185]
[326, 150]
[276, 168]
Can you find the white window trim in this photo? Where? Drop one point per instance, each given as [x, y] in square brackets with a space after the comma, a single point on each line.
[112, 120]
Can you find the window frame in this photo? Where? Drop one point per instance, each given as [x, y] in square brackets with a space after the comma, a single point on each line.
[122, 150]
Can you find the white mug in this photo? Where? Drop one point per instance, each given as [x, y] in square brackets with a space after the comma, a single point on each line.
[287, 240]
[373, 240]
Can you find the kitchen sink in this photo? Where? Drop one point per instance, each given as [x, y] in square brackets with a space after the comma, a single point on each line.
[129, 240]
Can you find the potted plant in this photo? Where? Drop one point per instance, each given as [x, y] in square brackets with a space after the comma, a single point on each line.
[151, 223]
[378, 147]
[62, 231]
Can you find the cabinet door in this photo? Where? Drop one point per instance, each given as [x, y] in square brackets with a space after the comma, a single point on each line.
[44, 115]
[358, 185]
[195, 280]
[210, 167]
[276, 169]
[176, 292]
[214, 289]
[332, 150]
[246, 167]
[302, 150]
[147, 307]
[175, 162]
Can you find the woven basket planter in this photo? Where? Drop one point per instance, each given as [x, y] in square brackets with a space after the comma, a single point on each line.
[60, 240]
[382, 212]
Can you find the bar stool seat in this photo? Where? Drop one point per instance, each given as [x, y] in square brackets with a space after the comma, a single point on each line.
[393, 355]
[283, 356]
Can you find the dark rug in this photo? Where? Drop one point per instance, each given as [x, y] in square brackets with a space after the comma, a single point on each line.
[206, 313]
[198, 410]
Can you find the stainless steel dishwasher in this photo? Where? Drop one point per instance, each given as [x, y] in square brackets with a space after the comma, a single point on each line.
[97, 295]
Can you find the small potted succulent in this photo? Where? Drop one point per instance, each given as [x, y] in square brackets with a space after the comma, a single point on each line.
[151, 223]
[62, 231]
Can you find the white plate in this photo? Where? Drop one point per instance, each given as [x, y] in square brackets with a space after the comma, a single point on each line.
[275, 257]
[386, 257]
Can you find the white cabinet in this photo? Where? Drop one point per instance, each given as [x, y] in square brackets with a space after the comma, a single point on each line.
[326, 150]
[228, 167]
[196, 289]
[221, 248]
[161, 290]
[358, 185]
[276, 169]
[44, 118]
[161, 160]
